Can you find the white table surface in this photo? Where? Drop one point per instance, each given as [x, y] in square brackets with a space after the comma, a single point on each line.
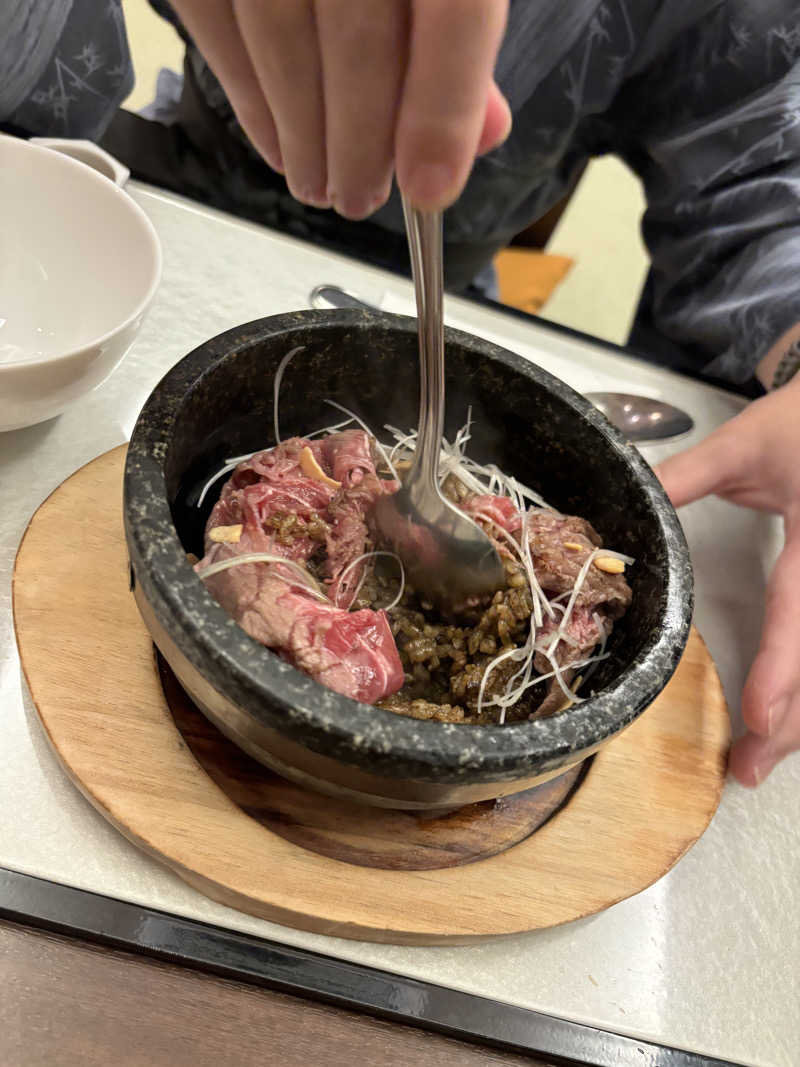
[707, 959]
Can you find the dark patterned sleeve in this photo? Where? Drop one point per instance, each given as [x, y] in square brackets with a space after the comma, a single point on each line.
[65, 67]
[713, 129]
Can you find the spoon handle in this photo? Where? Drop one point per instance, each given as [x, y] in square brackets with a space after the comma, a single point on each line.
[424, 231]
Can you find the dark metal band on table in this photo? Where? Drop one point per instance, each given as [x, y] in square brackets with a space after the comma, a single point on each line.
[62, 909]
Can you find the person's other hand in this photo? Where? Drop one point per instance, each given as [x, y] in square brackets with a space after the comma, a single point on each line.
[339, 94]
[754, 460]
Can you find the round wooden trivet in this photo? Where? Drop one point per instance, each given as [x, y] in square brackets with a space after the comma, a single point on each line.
[354, 833]
[88, 660]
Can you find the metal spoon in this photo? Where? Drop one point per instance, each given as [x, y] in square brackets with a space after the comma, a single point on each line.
[446, 555]
[640, 418]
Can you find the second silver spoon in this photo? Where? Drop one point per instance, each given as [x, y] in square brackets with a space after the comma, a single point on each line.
[640, 418]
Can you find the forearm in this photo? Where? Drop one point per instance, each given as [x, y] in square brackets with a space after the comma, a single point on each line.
[769, 364]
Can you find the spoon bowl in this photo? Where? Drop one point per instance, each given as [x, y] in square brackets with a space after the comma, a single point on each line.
[641, 418]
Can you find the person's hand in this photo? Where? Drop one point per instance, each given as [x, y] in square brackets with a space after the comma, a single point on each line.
[339, 94]
[754, 460]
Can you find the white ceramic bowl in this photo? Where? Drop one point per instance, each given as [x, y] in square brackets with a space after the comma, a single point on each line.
[79, 264]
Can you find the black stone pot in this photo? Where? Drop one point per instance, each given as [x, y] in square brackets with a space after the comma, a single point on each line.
[217, 403]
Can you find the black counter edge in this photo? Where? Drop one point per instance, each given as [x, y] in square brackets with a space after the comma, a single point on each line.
[77, 913]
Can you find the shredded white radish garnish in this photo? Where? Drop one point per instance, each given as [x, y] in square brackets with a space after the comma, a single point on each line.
[369, 433]
[488, 479]
[538, 598]
[246, 456]
[230, 465]
[543, 645]
[306, 580]
[276, 388]
[233, 462]
[328, 429]
[400, 445]
[513, 653]
[601, 626]
[374, 555]
[573, 597]
[215, 478]
[545, 678]
[481, 479]
[574, 688]
[558, 673]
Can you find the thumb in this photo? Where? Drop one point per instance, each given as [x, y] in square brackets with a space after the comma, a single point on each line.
[698, 471]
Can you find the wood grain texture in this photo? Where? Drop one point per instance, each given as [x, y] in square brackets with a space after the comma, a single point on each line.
[66, 1003]
[351, 832]
[89, 664]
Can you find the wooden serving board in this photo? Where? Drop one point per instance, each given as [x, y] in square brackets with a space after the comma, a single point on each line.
[89, 663]
[346, 830]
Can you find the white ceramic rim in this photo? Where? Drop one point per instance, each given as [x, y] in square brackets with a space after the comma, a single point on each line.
[93, 175]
